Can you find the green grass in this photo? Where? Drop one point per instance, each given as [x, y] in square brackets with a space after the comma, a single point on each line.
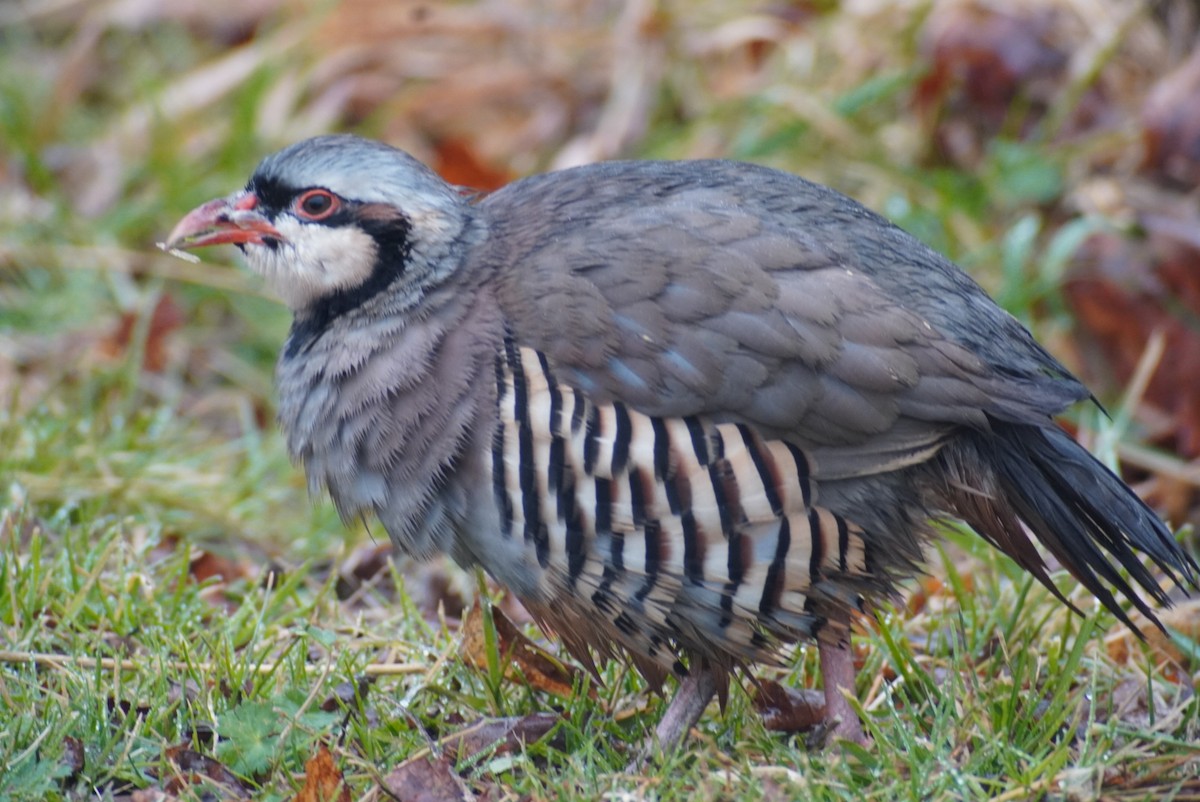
[996, 693]
[115, 480]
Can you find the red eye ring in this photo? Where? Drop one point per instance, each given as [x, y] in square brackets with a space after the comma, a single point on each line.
[316, 204]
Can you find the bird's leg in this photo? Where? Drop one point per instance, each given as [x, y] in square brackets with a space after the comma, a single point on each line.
[688, 704]
[691, 698]
[837, 674]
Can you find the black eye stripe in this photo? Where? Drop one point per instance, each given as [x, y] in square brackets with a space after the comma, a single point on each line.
[276, 197]
[273, 196]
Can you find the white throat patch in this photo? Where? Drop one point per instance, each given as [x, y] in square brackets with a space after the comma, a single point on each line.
[313, 260]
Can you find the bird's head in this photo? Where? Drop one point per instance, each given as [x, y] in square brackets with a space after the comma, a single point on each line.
[334, 220]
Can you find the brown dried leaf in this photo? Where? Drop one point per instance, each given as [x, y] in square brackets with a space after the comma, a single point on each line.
[458, 163]
[788, 709]
[323, 782]
[348, 694]
[366, 565]
[984, 57]
[989, 52]
[1171, 124]
[537, 666]
[500, 736]
[1183, 618]
[165, 318]
[195, 768]
[206, 565]
[1124, 291]
[479, 86]
[73, 756]
[927, 588]
[426, 779]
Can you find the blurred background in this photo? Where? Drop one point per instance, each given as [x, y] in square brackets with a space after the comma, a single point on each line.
[1050, 148]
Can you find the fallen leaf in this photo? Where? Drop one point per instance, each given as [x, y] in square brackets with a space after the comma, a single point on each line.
[1124, 290]
[206, 565]
[786, 709]
[165, 318]
[501, 736]
[323, 782]
[366, 565]
[1171, 125]
[348, 694]
[1183, 619]
[426, 779]
[927, 588]
[458, 163]
[539, 668]
[194, 768]
[983, 58]
[73, 756]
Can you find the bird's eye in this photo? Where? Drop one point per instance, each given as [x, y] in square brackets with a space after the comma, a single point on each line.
[316, 204]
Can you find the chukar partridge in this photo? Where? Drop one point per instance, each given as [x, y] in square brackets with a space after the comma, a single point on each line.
[689, 412]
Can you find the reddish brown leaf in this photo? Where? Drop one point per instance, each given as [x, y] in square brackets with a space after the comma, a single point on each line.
[1183, 618]
[1171, 124]
[927, 588]
[323, 781]
[73, 756]
[500, 735]
[207, 565]
[989, 62]
[426, 779]
[459, 164]
[366, 565]
[196, 768]
[1123, 291]
[988, 53]
[788, 709]
[165, 318]
[437, 587]
[538, 667]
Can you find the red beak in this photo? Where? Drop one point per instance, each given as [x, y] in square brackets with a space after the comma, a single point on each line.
[234, 219]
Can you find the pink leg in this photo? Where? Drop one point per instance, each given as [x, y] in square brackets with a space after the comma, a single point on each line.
[688, 704]
[837, 674]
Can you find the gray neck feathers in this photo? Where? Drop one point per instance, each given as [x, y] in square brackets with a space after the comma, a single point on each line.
[384, 406]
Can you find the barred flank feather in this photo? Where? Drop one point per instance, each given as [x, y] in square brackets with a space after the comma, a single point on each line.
[674, 533]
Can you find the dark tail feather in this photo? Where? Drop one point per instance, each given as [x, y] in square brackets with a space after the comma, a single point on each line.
[1079, 510]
